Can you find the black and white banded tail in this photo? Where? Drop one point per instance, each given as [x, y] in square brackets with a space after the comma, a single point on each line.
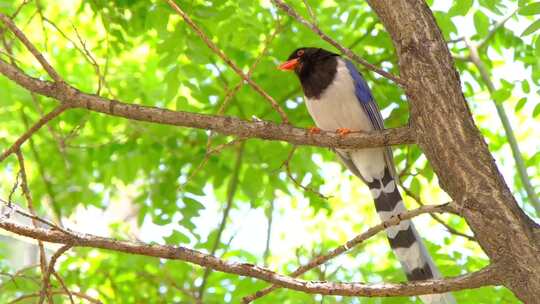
[404, 239]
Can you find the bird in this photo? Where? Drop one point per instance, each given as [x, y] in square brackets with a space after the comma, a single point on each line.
[339, 100]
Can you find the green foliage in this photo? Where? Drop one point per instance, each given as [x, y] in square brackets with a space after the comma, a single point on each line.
[149, 56]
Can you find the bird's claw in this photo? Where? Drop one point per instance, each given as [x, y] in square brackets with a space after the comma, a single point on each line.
[314, 130]
[343, 131]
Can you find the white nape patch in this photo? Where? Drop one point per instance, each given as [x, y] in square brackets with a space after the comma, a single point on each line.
[386, 215]
[411, 257]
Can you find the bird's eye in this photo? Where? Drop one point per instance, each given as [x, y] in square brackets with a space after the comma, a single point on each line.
[300, 53]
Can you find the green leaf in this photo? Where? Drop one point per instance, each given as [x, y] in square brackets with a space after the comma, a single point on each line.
[501, 95]
[460, 7]
[537, 47]
[481, 23]
[520, 104]
[525, 86]
[177, 238]
[536, 111]
[531, 28]
[531, 9]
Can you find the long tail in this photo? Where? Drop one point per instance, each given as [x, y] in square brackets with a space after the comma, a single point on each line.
[404, 239]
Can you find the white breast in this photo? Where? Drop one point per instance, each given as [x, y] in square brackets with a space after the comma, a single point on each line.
[338, 107]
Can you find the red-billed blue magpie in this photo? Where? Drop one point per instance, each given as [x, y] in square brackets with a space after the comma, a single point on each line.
[339, 99]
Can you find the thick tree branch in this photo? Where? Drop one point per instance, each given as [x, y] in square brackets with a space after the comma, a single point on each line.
[221, 124]
[487, 276]
[291, 12]
[455, 148]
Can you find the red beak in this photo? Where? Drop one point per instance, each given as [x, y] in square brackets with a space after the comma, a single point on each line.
[289, 65]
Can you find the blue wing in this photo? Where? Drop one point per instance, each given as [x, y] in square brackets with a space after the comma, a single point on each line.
[363, 93]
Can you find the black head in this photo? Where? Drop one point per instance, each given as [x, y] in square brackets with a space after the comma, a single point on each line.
[315, 67]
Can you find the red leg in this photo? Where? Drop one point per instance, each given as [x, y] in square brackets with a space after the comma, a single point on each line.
[343, 131]
[314, 130]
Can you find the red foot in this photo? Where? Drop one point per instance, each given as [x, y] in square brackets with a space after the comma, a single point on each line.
[343, 131]
[314, 130]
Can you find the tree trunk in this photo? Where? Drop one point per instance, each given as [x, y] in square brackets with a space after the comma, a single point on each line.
[455, 148]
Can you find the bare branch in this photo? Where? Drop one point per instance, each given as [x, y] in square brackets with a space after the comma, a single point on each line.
[488, 276]
[316, 262]
[221, 124]
[22, 37]
[18, 143]
[229, 62]
[291, 12]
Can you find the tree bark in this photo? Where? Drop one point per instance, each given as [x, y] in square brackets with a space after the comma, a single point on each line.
[455, 148]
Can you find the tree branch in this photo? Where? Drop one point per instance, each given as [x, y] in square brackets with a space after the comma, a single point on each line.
[474, 57]
[44, 120]
[221, 124]
[488, 276]
[22, 37]
[291, 12]
[47, 275]
[316, 262]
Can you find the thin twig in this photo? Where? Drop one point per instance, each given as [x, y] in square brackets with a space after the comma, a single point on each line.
[231, 191]
[229, 62]
[40, 123]
[45, 289]
[22, 37]
[286, 164]
[507, 126]
[449, 228]
[57, 211]
[350, 244]
[310, 12]
[64, 286]
[291, 12]
[28, 196]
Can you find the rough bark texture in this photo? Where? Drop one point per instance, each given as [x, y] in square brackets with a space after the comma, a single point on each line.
[455, 148]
